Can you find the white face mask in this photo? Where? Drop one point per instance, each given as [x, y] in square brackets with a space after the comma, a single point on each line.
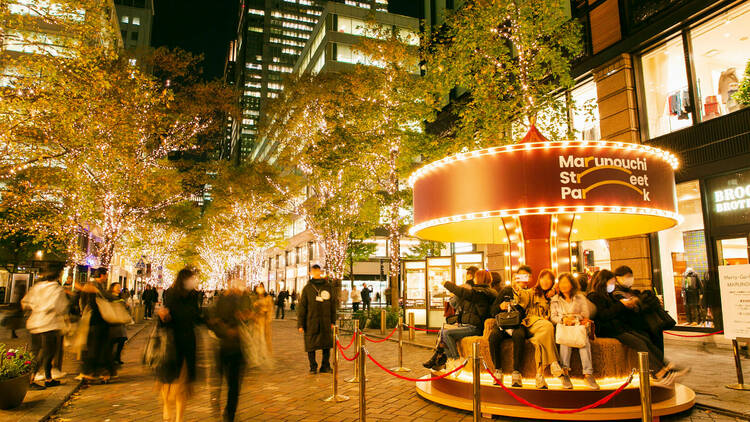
[190, 284]
[610, 288]
[627, 281]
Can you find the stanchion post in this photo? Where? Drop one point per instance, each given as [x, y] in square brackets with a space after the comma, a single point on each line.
[362, 379]
[400, 367]
[357, 346]
[336, 397]
[476, 381]
[645, 387]
[738, 366]
[382, 321]
[411, 326]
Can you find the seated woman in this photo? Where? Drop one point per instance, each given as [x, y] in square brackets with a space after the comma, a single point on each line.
[646, 304]
[570, 307]
[475, 308]
[614, 318]
[534, 305]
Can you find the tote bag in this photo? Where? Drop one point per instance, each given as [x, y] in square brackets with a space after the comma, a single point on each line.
[113, 312]
[571, 335]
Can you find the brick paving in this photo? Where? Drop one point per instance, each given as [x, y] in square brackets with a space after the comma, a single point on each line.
[286, 393]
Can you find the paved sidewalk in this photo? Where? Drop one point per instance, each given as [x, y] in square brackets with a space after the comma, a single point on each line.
[39, 405]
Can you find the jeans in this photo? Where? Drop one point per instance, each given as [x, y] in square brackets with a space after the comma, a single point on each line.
[44, 347]
[231, 368]
[280, 309]
[355, 306]
[452, 335]
[365, 305]
[324, 363]
[584, 352]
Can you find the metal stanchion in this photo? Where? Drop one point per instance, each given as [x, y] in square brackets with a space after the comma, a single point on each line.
[645, 387]
[336, 397]
[382, 321]
[476, 381]
[411, 326]
[357, 346]
[400, 367]
[738, 365]
[362, 379]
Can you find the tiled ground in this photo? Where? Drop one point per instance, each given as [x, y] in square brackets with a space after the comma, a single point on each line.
[286, 393]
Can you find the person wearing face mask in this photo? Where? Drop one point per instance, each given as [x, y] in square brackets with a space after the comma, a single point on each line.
[614, 314]
[643, 304]
[180, 315]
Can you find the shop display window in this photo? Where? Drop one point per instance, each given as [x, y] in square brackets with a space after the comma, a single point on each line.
[438, 272]
[684, 261]
[595, 255]
[585, 112]
[665, 87]
[721, 49]
[415, 284]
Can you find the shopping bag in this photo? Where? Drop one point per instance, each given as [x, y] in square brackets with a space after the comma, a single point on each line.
[113, 312]
[159, 350]
[571, 335]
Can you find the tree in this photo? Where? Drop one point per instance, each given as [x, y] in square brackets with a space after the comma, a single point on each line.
[358, 250]
[513, 57]
[425, 248]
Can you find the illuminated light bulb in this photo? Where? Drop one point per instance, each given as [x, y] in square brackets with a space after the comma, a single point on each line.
[509, 148]
[573, 244]
[575, 274]
[521, 260]
[578, 217]
[546, 145]
[554, 264]
[560, 210]
[574, 258]
[554, 250]
[507, 282]
[565, 144]
[599, 208]
[579, 209]
[506, 253]
[575, 231]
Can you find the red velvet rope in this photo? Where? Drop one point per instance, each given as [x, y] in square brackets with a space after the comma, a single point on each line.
[597, 403]
[382, 339]
[422, 329]
[415, 379]
[354, 334]
[342, 352]
[698, 335]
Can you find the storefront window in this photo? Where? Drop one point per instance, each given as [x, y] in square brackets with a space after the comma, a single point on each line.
[684, 262]
[666, 89]
[721, 49]
[438, 272]
[595, 255]
[585, 111]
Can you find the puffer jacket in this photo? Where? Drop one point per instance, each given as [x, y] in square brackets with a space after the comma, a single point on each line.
[475, 302]
[48, 305]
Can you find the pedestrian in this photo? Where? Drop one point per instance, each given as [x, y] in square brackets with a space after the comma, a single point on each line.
[180, 315]
[14, 319]
[356, 298]
[262, 306]
[149, 300]
[97, 361]
[293, 299]
[280, 303]
[344, 298]
[227, 317]
[117, 332]
[377, 297]
[316, 315]
[48, 305]
[366, 297]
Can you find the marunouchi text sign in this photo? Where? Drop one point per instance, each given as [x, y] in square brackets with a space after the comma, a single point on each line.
[615, 189]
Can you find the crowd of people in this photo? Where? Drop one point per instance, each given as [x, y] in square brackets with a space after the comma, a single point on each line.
[556, 314]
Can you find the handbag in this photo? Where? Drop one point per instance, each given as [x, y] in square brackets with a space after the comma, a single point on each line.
[659, 320]
[509, 319]
[113, 312]
[159, 348]
[571, 335]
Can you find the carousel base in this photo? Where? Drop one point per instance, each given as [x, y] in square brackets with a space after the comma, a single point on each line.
[458, 393]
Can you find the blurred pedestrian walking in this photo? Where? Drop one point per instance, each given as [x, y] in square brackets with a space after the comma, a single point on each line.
[180, 314]
[316, 315]
[118, 335]
[97, 360]
[48, 305]
[149, 297]
[280, 303]
[14, 318]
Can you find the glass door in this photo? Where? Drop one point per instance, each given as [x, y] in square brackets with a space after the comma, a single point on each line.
[729, 251]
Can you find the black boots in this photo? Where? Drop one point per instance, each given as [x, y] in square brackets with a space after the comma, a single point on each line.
[437, 361]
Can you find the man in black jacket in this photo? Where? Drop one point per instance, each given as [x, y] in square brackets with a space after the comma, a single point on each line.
[316, 314]
[280, 302]
[366, 298]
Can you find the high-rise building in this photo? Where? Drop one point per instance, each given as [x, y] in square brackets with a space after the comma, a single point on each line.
[271, 35]
[136, 19]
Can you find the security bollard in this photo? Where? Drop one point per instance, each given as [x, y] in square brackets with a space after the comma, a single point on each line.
[336, 397]
[645, 387]
[362, 379]
[357, 346]
[400, 367]
[476, 381]
[382, 322]
[411, 326]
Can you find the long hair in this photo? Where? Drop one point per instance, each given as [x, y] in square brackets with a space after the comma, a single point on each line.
[497, 281]
[544, 273]
[482, 277]
[179, 281]
[574, 286]
[599, 284]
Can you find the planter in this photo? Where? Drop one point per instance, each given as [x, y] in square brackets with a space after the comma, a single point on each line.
[12, 391]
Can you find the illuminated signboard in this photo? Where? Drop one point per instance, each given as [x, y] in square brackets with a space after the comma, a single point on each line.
[729, 199]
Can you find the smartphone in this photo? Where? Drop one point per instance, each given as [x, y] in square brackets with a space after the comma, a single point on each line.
[522, 277]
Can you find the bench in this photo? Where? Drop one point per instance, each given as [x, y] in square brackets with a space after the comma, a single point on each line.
[610, 357]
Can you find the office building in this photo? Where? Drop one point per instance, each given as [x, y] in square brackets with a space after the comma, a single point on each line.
[136, 18]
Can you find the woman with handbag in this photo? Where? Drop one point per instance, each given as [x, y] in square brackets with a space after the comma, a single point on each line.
[118, 335]
[532, 306]
[648, 313]
[614, 315]
[570, 313]
[97, 360]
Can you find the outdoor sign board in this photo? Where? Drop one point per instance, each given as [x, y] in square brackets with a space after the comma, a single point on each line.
[734, 281]
[729, 199]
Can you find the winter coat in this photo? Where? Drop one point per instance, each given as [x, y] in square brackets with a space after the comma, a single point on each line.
[184, 314]
[559, 307]
[281, 298]
[476, 302]
[612, 317]
[356, 296]
[48, 305]
[366, 294]
[315, 316]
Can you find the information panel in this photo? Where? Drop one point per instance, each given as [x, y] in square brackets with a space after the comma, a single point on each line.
[735, 300]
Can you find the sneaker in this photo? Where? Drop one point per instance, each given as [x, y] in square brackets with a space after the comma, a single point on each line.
[56, 373]
[590, 382]
[39, 377]
[566, 384]
[680, 372]
[516, 379]
[541, 383]
[326, 370]
[35, 386]
[51, 383]
[440, 363]
[499, 377]
[555, 369]
[666, 381]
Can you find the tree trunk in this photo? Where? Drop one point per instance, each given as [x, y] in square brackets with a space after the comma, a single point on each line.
[394, 232]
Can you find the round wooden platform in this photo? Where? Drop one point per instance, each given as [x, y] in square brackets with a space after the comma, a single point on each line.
[457, 392]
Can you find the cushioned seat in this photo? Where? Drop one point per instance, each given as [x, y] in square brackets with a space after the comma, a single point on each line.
[610, 357]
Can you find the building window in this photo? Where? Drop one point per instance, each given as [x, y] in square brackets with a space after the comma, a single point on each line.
[134, 36]
[585, 115]
[684, 262]
[665, 87]
[125, 19]
[721, 49]
[136, 20]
